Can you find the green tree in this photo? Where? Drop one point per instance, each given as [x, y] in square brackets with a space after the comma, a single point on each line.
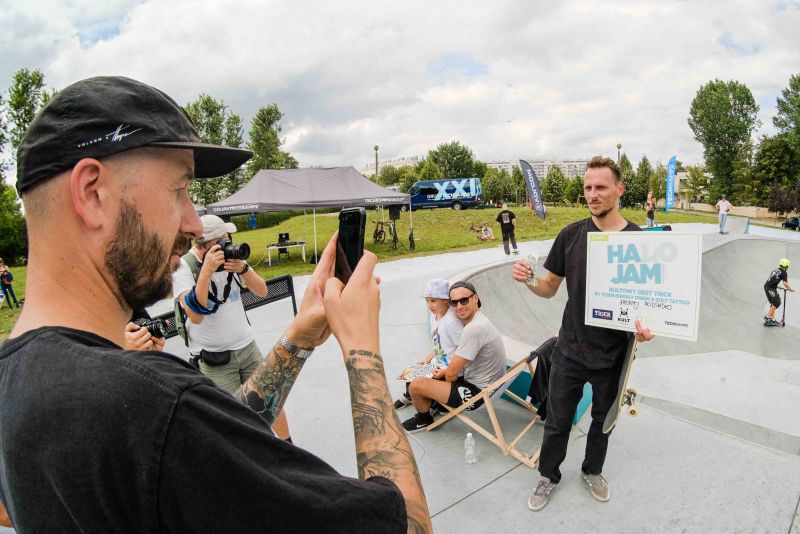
[497, 185]
[780, 200]
[390, 175]
[573, 191]
[208, 116]
[429, 170]
[787, 118]
[24, 100]
[234, 137]
[479, 169]
[658, 182]
[454, 160]
[265, 142]
[518, 188]
[742, 191]
[628, 178]
[12, 224]
[722, 117]
[775, 162]
[554, 185]
[636, 183]
[697, 183]
[407, 178]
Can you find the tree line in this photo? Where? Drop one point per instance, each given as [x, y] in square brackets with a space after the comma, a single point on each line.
[723, 117]
[455, 160]
[215, 122]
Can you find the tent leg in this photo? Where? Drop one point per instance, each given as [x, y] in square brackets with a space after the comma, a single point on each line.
[316, 257]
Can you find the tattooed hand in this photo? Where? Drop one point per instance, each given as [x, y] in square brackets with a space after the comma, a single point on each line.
[353, 310]
[310, 327]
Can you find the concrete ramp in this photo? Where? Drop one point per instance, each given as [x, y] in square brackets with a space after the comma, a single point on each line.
[737, 225]
[731, 379]
[732, 303]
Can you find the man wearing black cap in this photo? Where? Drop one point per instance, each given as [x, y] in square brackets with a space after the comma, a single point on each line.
[97, 439]
[479, 360]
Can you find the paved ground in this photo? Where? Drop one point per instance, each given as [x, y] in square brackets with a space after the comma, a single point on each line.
[713, 450]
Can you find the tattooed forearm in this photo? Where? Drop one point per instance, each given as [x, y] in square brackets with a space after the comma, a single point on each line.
[381, 444]
[266, 391]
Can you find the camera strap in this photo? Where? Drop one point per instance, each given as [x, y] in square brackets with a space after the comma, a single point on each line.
[226, 291]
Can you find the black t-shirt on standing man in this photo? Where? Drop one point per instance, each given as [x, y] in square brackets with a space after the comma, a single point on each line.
[594, 347]
[97, 439]
[505, 219]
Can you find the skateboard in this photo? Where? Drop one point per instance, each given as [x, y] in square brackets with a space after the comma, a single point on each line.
[625, 396]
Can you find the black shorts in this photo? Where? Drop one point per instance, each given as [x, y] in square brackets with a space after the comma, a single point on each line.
[462, 391]
[773, 297]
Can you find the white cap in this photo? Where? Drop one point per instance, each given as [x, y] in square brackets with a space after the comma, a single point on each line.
[437, 288]
[214, 228]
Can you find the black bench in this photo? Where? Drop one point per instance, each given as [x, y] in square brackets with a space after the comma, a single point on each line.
[278, 288]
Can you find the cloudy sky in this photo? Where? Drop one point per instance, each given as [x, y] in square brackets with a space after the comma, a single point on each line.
[516, 79]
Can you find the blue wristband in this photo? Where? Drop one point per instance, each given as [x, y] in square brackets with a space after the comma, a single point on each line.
[196, 307]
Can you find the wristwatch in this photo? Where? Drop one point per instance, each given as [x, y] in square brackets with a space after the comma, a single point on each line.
[246, 268]
[295, 350]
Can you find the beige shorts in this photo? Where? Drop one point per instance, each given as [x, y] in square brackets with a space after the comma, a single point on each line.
[233, 374]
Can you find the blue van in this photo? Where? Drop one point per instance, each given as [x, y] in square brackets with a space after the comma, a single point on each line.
[456, 193]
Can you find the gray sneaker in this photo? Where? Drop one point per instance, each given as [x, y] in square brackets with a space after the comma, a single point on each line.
[541, 494]
[598, 486]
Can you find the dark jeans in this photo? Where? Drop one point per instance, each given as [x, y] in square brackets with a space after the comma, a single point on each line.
[567, 378]
[9, 293]
[506, 237]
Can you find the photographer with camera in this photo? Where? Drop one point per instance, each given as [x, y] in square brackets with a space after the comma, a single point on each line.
[207, 287]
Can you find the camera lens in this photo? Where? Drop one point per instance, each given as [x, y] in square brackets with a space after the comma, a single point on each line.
[157, 328]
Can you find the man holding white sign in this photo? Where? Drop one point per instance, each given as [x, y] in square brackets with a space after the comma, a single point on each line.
[583, 353]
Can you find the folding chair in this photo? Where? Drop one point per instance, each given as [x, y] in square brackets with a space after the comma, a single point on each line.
[496, 390]
[282, 239]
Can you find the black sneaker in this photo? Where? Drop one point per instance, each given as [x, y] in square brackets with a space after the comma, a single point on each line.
[402, 401]
[419, 422]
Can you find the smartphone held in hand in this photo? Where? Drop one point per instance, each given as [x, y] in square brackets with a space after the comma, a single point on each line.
[350, 245]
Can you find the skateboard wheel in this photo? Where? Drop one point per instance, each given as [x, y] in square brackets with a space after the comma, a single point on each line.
[633, 411]
[631, 392]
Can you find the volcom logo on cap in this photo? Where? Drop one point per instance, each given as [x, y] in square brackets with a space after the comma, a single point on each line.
[117, 135]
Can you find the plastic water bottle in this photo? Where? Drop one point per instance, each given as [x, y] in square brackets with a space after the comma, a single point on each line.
[469, 448]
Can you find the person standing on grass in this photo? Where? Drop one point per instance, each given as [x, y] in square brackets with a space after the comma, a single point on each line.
[508, 223]
[5, 281]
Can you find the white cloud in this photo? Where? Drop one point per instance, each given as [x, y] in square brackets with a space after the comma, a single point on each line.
[511, 79]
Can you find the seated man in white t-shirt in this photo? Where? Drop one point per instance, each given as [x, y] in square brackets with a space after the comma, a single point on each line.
[445, 328]
[480, 354]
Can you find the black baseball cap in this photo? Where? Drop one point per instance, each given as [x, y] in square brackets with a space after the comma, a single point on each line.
[466, 285]
[106, 115]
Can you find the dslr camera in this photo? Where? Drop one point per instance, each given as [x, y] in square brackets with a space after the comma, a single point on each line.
[233, 251]
[156, 327]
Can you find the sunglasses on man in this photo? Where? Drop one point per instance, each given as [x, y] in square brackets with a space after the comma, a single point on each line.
[463, 302]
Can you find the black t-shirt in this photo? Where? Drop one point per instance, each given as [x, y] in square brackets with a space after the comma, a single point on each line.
[505, 219]
[97, 439]
[594, 347]
[776, 277]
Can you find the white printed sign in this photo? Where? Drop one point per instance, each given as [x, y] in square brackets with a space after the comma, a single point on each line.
[650, 276]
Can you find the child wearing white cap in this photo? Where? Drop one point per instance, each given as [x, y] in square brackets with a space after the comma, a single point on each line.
[445, 328]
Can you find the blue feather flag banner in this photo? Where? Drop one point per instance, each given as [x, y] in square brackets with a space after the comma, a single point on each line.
[670, 183]
[534, 191]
